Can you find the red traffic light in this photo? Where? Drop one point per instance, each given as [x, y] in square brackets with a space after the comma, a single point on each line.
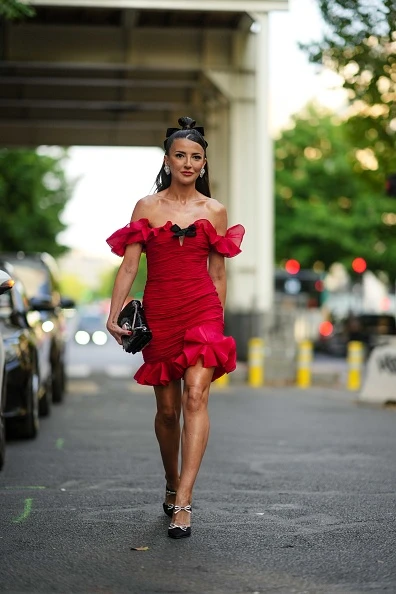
[326, 328]
[359, 265]
[390, 185]
[292, 266]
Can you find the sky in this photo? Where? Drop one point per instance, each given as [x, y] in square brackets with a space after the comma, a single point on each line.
[112, 179]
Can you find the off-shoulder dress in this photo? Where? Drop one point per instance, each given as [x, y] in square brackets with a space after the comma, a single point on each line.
[180, 300]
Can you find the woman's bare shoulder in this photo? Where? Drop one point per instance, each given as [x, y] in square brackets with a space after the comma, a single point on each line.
[143, 207]
[215, 206]
[217, 214]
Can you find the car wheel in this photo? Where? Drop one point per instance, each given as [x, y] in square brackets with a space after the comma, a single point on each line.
[46, 400]
[58, 382]
[2, 441]
[29, 426]
[2, 426]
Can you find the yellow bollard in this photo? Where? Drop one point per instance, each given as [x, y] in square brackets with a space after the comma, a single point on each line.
[256, 362]
[222, 381]
[355, 362]
[304, 359]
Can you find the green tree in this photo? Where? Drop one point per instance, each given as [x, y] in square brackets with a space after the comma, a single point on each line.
[13, 10]
[107, 281]
[326, 210]
[34, 191]
[73, 287]
[360, 45]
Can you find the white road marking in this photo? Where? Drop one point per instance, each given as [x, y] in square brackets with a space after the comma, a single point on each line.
[121, 371]
[78, 371]
[83, 387]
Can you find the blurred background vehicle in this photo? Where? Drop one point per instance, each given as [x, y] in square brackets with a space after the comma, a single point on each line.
[22, 387]
[6, 283]
[91, 326]
[40, 276]
[369, 328]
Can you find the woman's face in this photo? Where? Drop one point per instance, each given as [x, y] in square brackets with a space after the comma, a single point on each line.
[186, 159]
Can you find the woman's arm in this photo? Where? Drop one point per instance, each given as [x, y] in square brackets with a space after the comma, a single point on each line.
[122, 285]
[216, 266]
[217, 273]
[125, 277]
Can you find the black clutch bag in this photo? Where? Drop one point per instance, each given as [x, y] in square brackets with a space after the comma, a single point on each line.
[132, 318]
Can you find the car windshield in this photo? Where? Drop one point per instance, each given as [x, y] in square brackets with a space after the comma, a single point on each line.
[92, 322]
[33, 276]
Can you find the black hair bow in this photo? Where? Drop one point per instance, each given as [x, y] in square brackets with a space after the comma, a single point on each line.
[189, 231]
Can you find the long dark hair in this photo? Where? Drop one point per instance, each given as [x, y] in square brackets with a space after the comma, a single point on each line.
[188, 131]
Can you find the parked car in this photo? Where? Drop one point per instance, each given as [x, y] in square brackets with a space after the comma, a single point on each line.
[6, 283]
[369, 328]
[22, 388]
[40, 276]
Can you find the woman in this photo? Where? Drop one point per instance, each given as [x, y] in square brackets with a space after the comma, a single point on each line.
[184, 233]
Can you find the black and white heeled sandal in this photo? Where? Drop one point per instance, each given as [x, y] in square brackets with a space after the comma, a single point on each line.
[168, 507]
[179, 530]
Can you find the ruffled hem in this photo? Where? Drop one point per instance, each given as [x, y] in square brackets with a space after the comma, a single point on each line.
[140, 231]
[216, 350]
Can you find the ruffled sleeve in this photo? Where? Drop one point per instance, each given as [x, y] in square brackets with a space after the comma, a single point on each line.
[134, 232]
[227, 245]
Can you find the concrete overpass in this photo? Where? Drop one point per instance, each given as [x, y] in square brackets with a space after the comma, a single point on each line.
[119, 72]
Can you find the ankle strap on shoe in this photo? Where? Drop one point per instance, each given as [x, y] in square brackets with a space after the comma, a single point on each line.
[178, 508]
[170, 492]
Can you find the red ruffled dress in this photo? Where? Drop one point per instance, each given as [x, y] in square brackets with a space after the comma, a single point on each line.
[181, 303]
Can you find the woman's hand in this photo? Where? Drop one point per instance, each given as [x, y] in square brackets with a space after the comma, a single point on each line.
[116, 331]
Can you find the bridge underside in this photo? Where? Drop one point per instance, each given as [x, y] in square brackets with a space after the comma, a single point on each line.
[105, 76]
[119, 72]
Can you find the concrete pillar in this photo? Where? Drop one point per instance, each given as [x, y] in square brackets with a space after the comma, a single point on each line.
[217, 134]
[264, 170]
[251, 174]
[251, 188]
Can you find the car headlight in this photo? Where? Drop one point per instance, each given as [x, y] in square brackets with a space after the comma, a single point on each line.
[81, 337]
[99, 337]
[47, 326]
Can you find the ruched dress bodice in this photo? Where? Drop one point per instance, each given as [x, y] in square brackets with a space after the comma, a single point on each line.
[181, 303]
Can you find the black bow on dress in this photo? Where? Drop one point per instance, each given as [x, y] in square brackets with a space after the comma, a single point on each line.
[189, 231]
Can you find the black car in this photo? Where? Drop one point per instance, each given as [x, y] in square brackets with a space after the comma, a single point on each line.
[6, 283]
[40, 276]
[22, 388]
[369, 328]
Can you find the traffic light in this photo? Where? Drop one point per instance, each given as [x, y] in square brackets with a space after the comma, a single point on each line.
[359, 265]
[390, 185]
[292, 266]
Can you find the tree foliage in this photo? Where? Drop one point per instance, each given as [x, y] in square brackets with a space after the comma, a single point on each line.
[107, 281]
[14, 10]
[326, 208]
[73, 286]
[360, 45]
[33, 193]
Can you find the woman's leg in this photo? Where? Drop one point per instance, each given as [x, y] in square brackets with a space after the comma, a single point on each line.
[167, 430]
[195, 432]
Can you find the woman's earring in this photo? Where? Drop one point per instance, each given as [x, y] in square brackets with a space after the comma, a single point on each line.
[167, 169]
[202, 172]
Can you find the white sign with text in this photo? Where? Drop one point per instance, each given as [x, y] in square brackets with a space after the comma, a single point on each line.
[380, 382]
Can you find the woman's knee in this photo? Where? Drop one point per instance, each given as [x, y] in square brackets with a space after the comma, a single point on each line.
[167, 416]
[195, 398]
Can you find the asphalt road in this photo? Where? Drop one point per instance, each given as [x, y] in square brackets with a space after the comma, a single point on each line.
[296, 494]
